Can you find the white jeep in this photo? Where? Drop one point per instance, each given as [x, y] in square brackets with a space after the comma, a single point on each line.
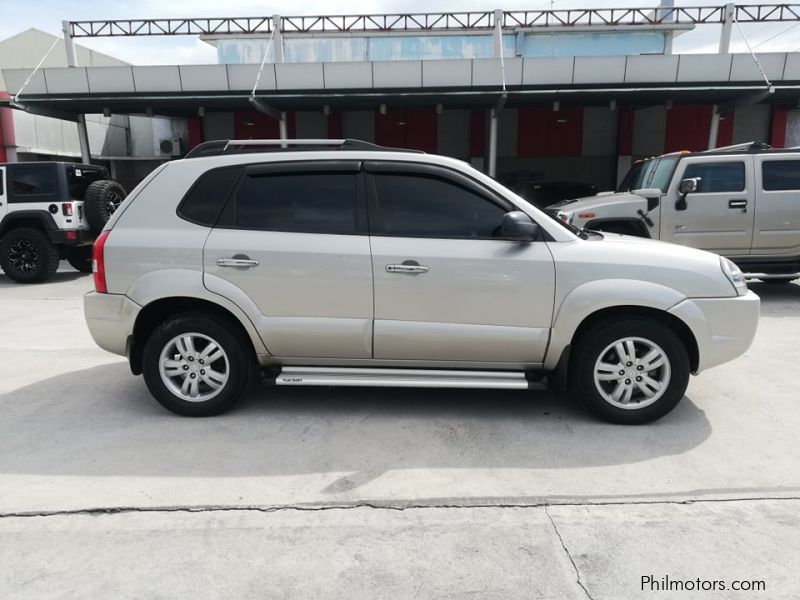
[742, 202]
[51, 211]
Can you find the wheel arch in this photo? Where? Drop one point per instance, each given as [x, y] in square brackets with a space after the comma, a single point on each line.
[598, 300]
[157, 311]
[40, 219]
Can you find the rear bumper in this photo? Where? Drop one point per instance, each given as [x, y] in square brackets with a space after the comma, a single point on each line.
[723, 327]
[71, 237]
[110, 318]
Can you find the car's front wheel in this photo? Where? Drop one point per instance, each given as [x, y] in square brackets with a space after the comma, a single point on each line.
[630, 371]
[197, 365]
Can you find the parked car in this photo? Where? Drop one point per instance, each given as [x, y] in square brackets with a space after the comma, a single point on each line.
[543, 193]
[51, 211]
[742, 202]
[359, 266]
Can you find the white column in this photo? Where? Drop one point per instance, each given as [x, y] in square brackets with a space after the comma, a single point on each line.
[277, 38]
[498, 32]
[727, 24]
[713, 128]
[492, 154]
[72, 61]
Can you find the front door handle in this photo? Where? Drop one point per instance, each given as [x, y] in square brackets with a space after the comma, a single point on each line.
[739, 203]
[237, 261]
[407, 266]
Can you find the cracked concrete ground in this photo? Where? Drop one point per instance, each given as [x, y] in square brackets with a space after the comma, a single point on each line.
[362, 493]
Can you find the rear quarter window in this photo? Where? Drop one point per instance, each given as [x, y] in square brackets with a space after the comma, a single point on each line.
[30, 183]
[206, 198]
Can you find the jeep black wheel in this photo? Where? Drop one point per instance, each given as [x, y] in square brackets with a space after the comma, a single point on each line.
[101, 200]
[28, 256]
[630, 371]
[197, 365]
[80, 257]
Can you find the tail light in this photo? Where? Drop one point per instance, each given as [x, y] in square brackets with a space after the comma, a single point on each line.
[98, 264]
[66, 209]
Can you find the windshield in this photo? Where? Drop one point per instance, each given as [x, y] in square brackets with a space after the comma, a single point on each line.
[650, 173]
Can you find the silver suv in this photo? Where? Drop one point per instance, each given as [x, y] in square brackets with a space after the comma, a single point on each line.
[343, 263]
[740, 202]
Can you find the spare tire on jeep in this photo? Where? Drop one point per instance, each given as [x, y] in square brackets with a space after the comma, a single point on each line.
[102, 198]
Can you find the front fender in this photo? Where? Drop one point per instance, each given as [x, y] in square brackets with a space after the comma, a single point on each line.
[593, 296]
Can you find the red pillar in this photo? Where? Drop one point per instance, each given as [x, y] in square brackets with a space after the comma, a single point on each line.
[195, 133]
[777, 135]
[7, 139]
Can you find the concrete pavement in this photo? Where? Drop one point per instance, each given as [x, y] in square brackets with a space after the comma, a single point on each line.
[440, 493]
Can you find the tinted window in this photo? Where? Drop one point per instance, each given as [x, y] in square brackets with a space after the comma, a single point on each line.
[781, 175]
[2, 177]
[717, 177]
[27, 180]
[303, 202]
[205, 200]
[78, 180]
[419, 206]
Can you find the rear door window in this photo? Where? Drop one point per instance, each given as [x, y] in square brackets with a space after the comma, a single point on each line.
[297, 202]
[781, 175]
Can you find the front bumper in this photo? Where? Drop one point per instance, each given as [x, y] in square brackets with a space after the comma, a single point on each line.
[723, 327]
[110, 318]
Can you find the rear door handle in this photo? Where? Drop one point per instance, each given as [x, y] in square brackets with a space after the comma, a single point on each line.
[737, 204]
[407, 267]
[236, 261]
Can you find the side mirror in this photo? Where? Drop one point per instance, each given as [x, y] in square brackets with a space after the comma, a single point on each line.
[518, 226]
[689, 186]
[685, 187]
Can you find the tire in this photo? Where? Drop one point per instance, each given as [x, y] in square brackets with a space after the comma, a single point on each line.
[597, 348]
[778, 280]
[234, 368]
[80, 257]
[100, 201]
[28, 256]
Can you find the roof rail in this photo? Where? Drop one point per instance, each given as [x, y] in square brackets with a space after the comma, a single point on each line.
[219, 147]
[746, 146]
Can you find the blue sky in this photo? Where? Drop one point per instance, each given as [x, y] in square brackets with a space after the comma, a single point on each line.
[18, 15]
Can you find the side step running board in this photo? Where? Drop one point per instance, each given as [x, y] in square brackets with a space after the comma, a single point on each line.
[423, 378]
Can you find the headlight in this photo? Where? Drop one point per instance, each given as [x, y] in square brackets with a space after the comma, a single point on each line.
[734, 275]
[565, 216]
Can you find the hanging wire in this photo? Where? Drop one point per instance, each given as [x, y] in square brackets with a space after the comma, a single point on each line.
[28, 80]
[769, 39]
[753, 54]
[263, 62]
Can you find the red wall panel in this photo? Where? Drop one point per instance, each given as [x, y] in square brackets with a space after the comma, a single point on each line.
[625, 131]
[477, 132]
[777, 136]
[687, 127]
[545, 132]
[195, 133]
[335, 126]
[407, 129]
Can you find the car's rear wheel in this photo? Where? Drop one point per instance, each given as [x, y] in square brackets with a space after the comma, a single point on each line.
[630, 371]
[197, 365]
[80, 257]
[28, 256]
